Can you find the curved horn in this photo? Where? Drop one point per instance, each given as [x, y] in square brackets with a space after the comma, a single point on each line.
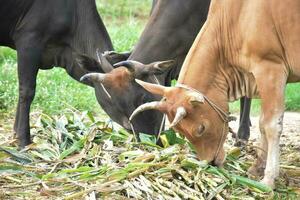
[180, 114]
[153, 88]
[93, 77]
[155, 105]
[105, 65]
[129, 64]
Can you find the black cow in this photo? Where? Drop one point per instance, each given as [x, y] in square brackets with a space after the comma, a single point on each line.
[169, 34]
[47, 33]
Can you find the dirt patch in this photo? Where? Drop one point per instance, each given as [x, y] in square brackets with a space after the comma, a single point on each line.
[291, 130]
[6, 130]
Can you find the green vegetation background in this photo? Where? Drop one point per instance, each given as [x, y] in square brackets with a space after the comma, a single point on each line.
[56, 91]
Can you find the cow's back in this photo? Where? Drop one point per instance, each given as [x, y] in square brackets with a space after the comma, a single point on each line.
[11, 11]
[47, 19]
[263, 31]
[287, 23]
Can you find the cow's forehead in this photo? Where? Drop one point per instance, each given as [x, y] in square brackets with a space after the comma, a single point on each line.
[119, 78]
[177, 95]
[120, 71]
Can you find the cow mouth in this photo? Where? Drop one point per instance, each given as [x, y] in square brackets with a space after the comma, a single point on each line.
[219, 160]
[216, 163]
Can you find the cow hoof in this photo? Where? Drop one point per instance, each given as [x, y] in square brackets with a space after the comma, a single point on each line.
[256, 171]
[269, 182]
[24, 143]
[240, 143]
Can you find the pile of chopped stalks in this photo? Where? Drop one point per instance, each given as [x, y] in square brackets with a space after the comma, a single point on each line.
[74, 156]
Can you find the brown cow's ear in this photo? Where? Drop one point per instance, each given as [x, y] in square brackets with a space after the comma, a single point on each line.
[196, 99]
[153, 88]
[87, 63]
[159, 67]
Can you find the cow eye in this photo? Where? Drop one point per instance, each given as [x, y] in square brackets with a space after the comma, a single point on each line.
[200, 130]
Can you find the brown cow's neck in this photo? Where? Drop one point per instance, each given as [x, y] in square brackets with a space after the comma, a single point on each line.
[201, 69]
[211, 68]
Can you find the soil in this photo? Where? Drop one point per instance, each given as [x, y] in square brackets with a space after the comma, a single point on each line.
[291, 130]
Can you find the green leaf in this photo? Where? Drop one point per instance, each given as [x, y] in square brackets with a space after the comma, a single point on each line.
[10, 169]
[91, 116]
[145, 138]
[172, 138]
[252, 183]
[129, 155]
[17, 156]
[170, 151]
[164, 140]
[191, 163]
[173, 82]
[76, 147]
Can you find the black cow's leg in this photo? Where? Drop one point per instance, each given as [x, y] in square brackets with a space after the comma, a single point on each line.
[245, 123]
[28, 60]
[17, 118]
[16, 122]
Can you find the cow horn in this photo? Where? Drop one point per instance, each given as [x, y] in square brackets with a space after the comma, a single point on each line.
[180, 114]
[105, 65]
[129, 64]
[93, 77]
[155, 105]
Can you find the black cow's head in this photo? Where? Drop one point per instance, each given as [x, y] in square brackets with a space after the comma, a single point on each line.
[119, 94]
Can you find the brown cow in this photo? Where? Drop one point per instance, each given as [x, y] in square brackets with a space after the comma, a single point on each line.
[245, 48]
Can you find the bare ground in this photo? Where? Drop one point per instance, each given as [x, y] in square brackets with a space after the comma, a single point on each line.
[291, 130]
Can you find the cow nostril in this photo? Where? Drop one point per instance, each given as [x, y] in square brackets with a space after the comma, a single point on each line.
[213, 163]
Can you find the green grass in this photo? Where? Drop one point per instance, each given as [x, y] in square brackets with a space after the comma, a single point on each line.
[124, 19]
[292, 101]
[56, 90]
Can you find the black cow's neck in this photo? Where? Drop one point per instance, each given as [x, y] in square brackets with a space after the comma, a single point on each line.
[159, 43]
[90, 34]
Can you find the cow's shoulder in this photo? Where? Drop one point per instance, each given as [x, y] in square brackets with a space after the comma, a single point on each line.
[47, 19]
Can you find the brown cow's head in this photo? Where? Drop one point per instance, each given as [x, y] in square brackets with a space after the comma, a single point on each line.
[192, 116]
[125, 95]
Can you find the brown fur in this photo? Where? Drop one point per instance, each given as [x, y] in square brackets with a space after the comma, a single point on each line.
[245, 48]
[118, 79]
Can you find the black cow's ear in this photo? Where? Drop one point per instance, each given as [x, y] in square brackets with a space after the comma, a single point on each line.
[114, 57]
[87, 63]
[139, 69]
[160, 67]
